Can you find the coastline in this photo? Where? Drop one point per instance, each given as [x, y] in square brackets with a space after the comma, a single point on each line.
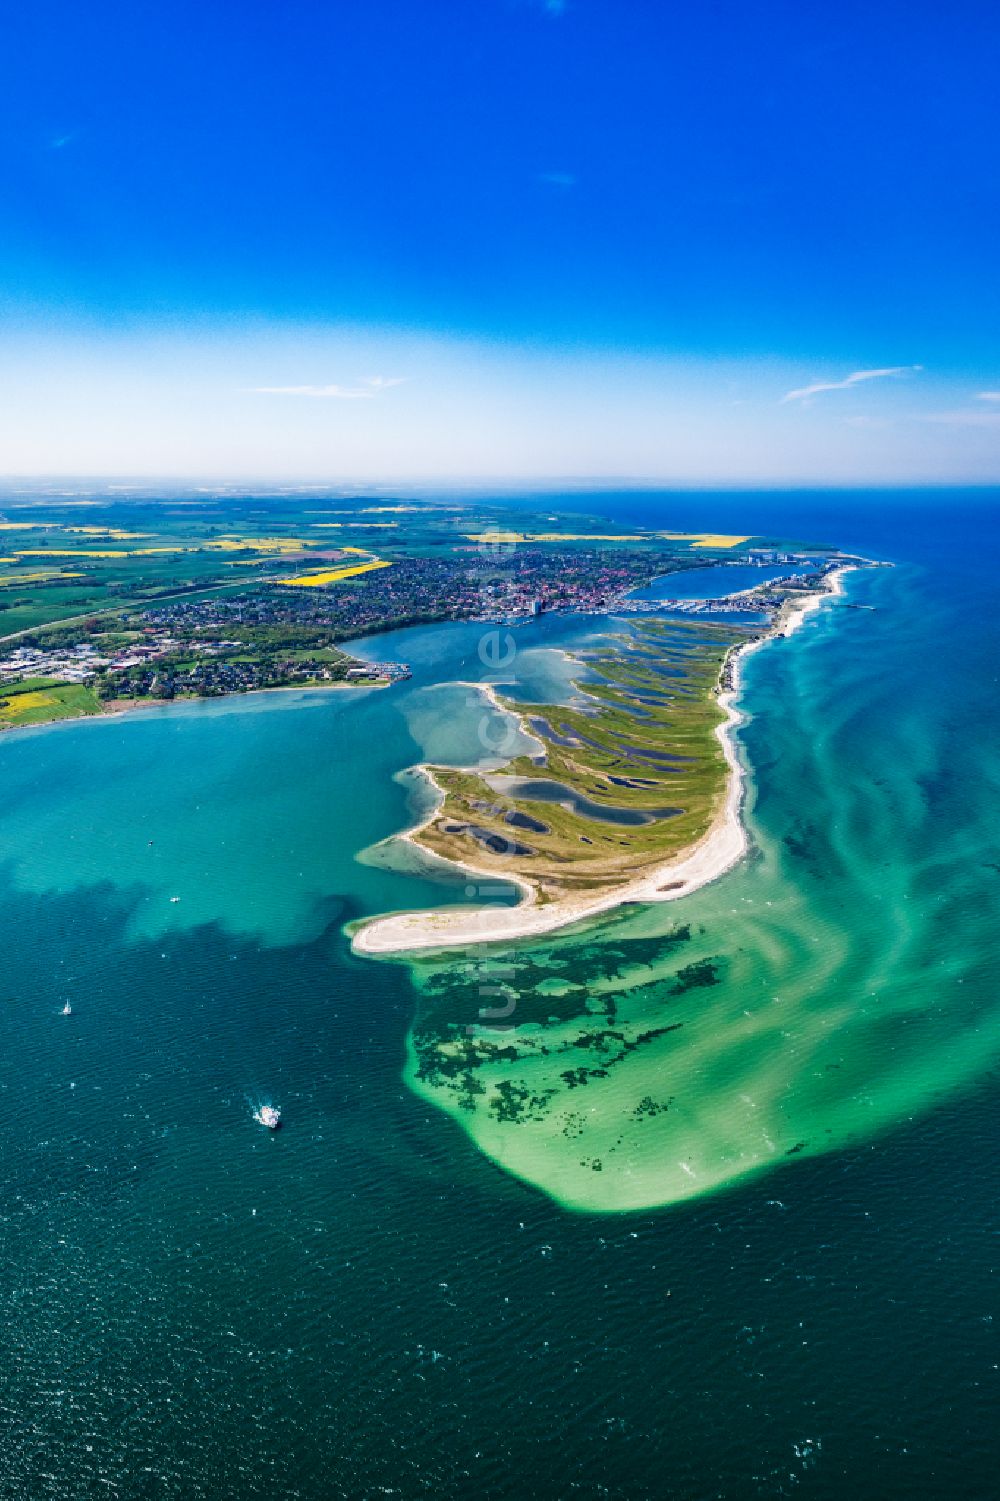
[114, 708]
[717, 851]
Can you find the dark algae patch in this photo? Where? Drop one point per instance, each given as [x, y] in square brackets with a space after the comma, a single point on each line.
[564, 1034]
[702, 973]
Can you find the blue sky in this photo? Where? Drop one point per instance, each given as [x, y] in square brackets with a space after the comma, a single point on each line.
[530, 238]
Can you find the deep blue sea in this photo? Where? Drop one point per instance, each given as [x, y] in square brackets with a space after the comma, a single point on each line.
[383, 1299]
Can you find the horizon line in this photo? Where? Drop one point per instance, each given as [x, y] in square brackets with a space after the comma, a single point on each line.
[541, 484]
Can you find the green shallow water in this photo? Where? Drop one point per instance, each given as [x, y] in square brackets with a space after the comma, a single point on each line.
[401, 1295]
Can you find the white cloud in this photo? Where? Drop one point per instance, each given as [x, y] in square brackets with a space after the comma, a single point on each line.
[988, 395]
[970, 418]
[370, 387]
[558, 179]
[150, 401]
[854, 379]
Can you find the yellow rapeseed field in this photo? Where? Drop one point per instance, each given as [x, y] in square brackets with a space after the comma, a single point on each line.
[331, 576]
[259, 544]
[14, 580]
[697, 539]
[84, 552]
[23, 703]
[705, 539]
[113, 533]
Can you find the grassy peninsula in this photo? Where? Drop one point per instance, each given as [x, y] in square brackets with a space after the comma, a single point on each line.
[636, 766]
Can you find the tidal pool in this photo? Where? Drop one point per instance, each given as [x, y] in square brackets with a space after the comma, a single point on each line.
[529, 789]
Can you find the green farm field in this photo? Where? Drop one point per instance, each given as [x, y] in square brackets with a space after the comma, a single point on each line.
[40, 700]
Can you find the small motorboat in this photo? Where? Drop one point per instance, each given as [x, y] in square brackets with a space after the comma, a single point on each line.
[269, 1116]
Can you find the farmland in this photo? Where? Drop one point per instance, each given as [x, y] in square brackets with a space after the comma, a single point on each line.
[39, 700]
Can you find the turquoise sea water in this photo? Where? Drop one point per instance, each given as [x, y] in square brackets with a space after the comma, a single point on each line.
[385, 1298]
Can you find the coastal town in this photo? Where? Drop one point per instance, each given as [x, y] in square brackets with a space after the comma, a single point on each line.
[272, 634]
[421, 590]
[289, 623]
[157, 664]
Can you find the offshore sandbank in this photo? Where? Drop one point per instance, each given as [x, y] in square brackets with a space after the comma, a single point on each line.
[711, 856]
